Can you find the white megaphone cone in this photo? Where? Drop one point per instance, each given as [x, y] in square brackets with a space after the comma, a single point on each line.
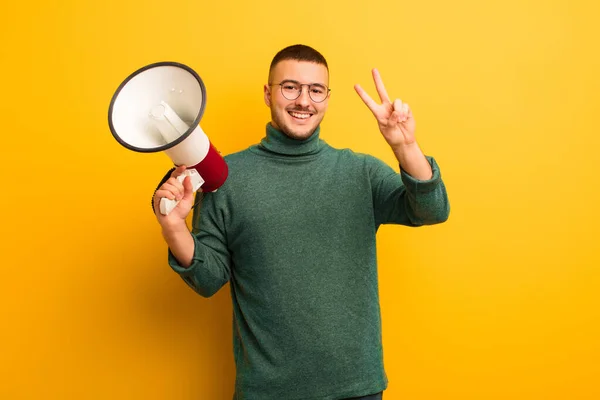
[158, 108]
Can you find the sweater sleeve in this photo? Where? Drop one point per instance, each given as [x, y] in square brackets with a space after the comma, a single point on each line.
[211, 263]
[398, 198]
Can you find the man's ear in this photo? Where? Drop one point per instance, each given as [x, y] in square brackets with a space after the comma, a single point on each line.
[267, 96]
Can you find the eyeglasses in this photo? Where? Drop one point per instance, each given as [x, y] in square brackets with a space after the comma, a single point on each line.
[291, 90]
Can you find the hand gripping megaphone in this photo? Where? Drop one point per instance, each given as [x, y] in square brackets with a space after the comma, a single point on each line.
[158, 108]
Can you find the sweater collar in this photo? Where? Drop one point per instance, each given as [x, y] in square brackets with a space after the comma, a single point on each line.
[278, 142]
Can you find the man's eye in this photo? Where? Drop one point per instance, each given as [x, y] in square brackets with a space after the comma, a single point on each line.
[318, 90]
[289, 87]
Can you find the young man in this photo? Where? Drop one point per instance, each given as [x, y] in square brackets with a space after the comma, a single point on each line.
[293, 231]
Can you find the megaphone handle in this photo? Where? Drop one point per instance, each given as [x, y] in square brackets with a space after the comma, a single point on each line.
[167, 205]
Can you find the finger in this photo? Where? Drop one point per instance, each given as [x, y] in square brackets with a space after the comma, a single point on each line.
[173, 189]
[160, 194]
[158, 197]
[406, 109]
[366, 98]
[176, 189]
[380, 87]
[399, 108]
[397, 105]
[395, 118]
[176, 183]
[178, 171]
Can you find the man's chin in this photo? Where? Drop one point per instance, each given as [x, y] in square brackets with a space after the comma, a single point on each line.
[299, 134]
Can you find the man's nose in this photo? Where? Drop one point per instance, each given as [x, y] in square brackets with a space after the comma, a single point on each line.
[304, 98]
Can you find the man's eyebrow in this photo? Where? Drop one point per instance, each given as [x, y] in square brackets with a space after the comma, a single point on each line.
[294, 81]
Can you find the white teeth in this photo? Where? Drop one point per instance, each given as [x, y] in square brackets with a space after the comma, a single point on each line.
[298, 115]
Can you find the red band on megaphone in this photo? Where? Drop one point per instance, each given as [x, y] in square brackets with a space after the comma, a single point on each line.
[213, 169]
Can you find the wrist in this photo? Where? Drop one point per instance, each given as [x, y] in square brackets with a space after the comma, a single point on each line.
[412, 161]
[406, 150]
[172, 228]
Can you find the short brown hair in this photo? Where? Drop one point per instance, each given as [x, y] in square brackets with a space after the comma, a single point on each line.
[298, 52]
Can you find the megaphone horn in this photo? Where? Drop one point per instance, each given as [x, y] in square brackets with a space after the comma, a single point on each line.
[159, 108]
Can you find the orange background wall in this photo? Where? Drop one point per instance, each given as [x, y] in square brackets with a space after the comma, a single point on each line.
[500, 302]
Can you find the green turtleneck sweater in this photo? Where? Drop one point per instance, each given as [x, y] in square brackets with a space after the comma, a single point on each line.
[293, 232]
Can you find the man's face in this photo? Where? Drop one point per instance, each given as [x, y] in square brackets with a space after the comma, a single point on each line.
[298, 118]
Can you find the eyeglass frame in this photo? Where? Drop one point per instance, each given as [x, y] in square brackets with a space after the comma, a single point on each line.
[280, 84]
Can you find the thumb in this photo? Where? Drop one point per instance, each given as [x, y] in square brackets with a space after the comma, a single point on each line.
[188, 190]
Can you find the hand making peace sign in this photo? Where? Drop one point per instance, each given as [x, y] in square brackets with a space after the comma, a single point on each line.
[395, 119]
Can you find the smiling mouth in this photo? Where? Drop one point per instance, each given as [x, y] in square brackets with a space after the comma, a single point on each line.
[300, 115]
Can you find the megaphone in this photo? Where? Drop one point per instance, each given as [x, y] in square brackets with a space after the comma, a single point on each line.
[158, 108]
